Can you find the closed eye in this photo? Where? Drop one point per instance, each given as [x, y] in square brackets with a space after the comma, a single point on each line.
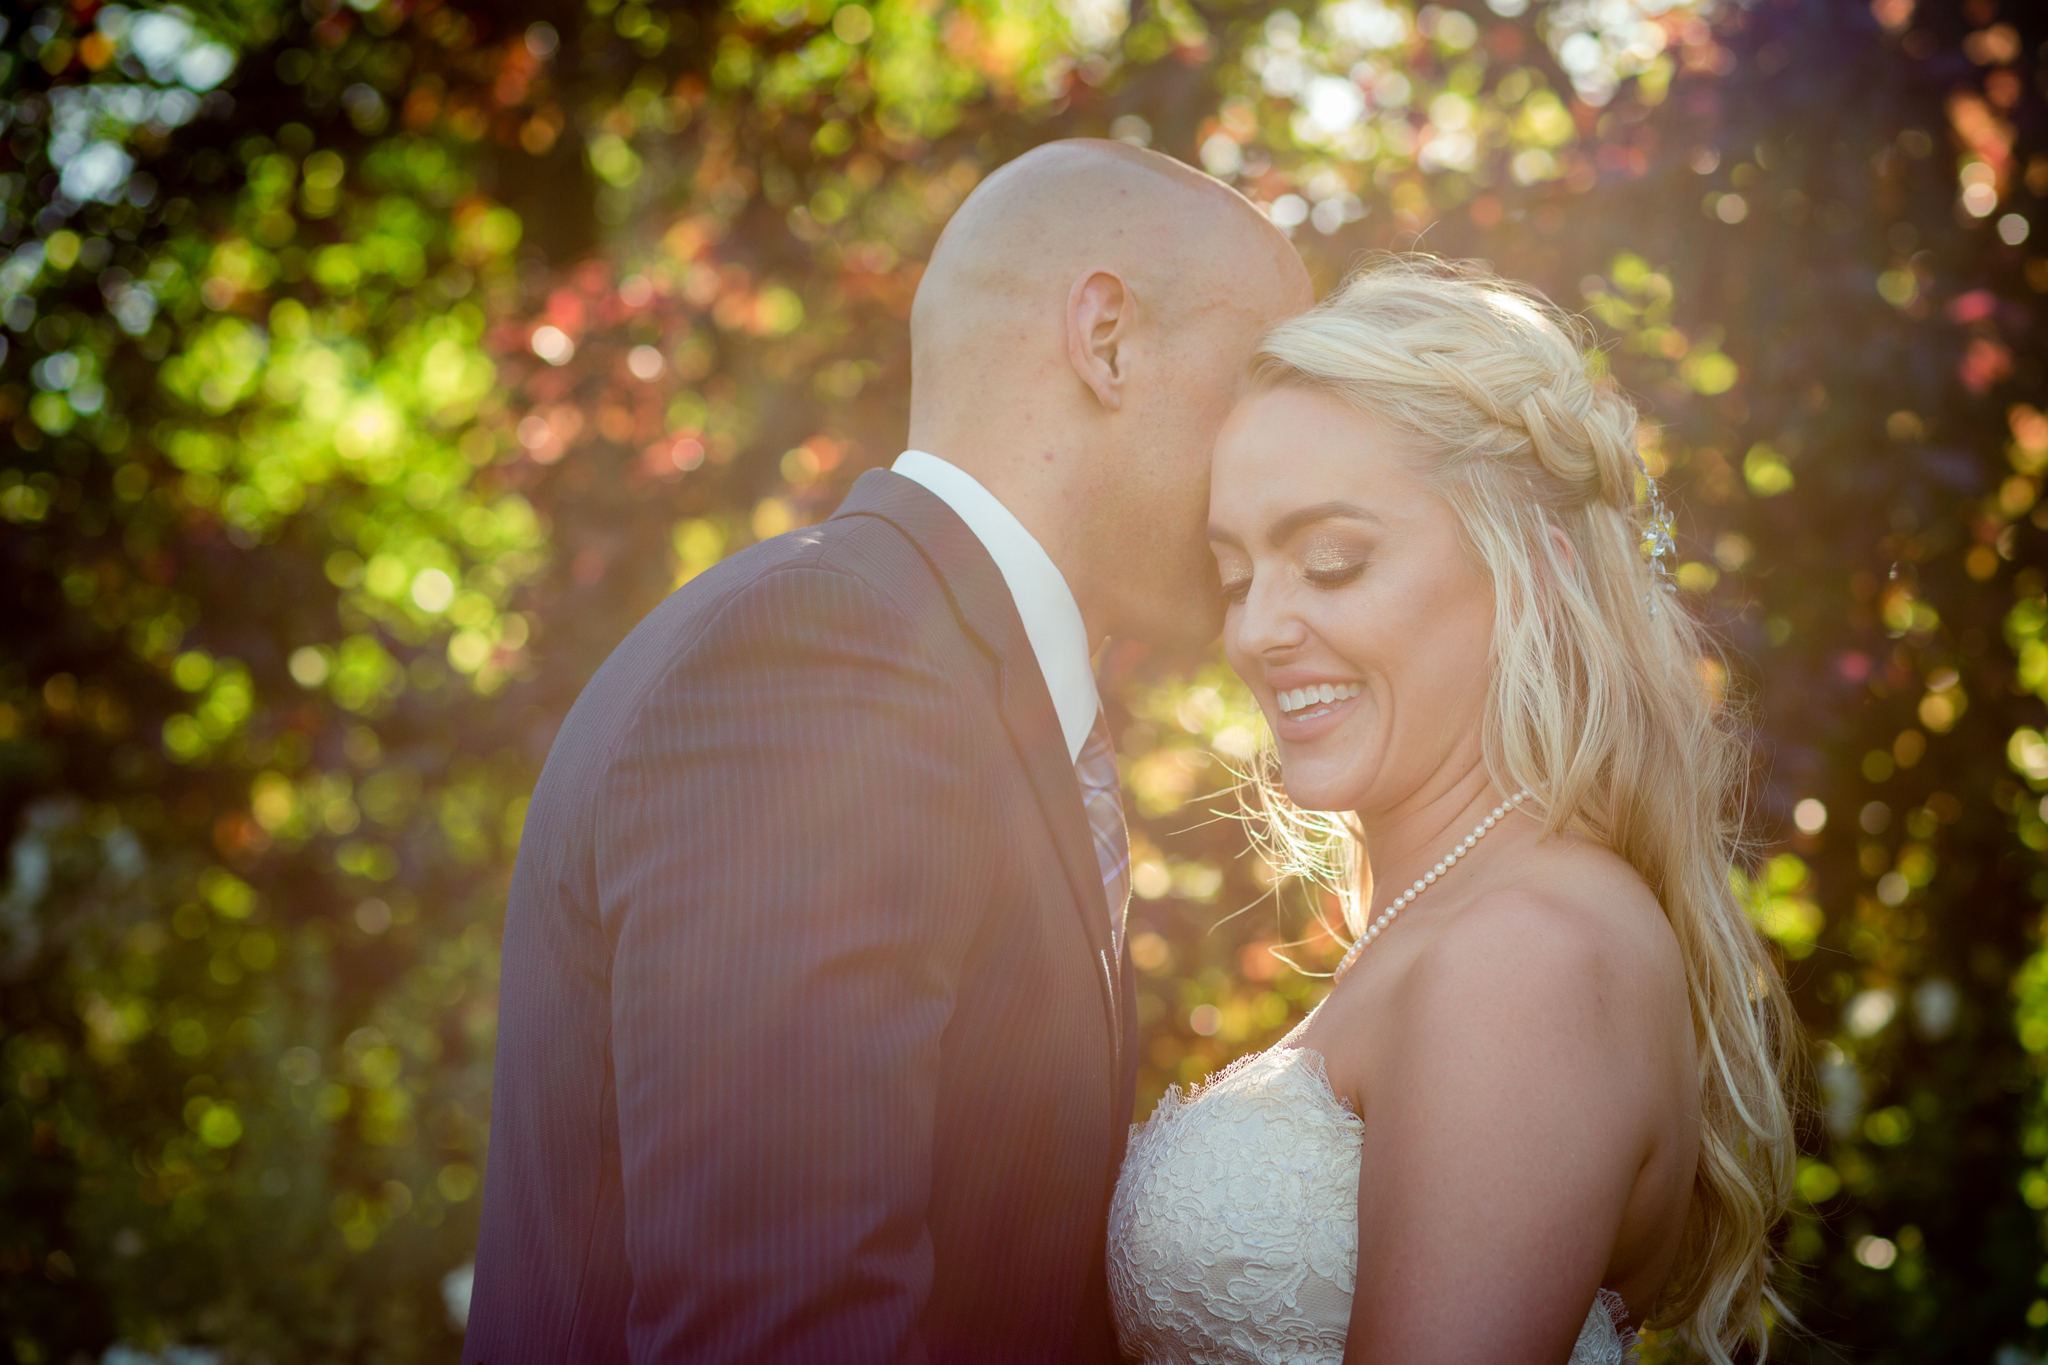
[1334, 578]
[1234, 591]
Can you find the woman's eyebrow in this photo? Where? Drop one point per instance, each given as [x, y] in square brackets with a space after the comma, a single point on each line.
[1283, 530]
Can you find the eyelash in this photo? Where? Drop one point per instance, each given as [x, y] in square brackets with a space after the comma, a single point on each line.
[1324, 579]
[1334, 578]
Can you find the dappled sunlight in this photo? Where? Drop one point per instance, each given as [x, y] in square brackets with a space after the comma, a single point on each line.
[369, 370]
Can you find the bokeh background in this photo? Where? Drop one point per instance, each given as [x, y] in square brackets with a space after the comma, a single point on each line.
[369, 368]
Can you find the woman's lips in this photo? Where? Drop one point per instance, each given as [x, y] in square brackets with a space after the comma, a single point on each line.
[1292, 700]
[1305, 714]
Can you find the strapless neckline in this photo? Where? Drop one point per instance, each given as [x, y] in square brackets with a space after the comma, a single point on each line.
[1233, 1236]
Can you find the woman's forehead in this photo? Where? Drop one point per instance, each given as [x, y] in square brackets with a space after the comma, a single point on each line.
[1287, 451]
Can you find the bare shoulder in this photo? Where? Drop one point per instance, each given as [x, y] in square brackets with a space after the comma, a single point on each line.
[1581, 938]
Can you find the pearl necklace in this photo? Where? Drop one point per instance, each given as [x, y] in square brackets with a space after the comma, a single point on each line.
[1428, 879]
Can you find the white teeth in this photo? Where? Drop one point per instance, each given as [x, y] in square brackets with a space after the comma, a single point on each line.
[1323, 694]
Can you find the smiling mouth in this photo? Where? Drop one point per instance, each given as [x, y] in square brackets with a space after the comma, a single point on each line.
[1306, 703]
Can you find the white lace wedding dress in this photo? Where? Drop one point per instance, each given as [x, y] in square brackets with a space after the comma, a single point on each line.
[1233, 1234]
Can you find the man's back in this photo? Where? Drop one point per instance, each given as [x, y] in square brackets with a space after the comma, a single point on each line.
[810, 1040]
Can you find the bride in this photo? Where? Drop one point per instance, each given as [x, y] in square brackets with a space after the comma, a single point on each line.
[1545, 1099]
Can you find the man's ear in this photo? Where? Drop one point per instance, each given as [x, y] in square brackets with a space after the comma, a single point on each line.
[1099, 320]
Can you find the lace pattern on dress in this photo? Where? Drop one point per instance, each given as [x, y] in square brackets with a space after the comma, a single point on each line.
[1233, 1233]
[1606, 1338]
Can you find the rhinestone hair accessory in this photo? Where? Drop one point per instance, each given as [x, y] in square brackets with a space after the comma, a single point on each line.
[1659, 539]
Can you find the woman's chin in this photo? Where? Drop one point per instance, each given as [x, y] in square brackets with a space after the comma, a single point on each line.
[1313, 791]
[1318, 768]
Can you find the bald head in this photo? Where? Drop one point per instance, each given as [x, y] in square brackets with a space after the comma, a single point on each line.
[1077, 338]
[1030, 228]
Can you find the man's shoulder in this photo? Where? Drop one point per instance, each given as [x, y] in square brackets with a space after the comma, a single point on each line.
[782, 597]
[866, 557]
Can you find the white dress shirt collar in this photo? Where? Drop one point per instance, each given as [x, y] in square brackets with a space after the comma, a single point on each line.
[1052, 619]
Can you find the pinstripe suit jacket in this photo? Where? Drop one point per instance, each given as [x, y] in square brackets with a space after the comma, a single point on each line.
[811, 1046]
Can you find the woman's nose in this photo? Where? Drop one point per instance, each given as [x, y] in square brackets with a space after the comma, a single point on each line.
[1266, 624]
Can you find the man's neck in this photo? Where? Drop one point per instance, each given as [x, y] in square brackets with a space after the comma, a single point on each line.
[1042, 502]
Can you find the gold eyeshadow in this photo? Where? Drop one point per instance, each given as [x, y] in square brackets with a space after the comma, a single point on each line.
[1329, 559]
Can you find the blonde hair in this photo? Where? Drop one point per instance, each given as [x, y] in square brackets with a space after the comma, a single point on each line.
[1605, 700]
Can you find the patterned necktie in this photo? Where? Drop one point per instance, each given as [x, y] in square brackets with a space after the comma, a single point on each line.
[1096, 767]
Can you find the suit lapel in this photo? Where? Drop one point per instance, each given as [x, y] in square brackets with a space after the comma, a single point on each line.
[983, 603]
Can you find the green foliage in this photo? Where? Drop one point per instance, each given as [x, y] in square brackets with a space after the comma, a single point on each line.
[370, 369]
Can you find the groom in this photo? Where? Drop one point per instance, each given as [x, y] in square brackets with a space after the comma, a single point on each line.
[816, 1039]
